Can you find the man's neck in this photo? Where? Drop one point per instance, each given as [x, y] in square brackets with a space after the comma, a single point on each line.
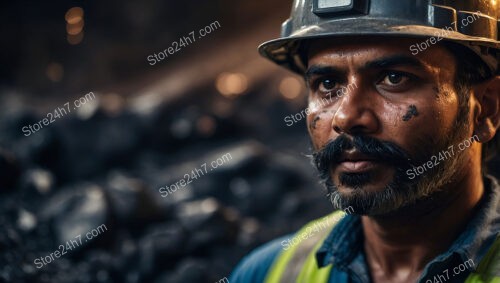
[398, 247]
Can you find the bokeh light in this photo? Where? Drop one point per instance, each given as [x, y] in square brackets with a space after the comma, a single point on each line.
[54, 72]
[75, 28]
[74, 25]
[75, 39]
[74, 15]
[231, 84]
[290, 87]
[206, 126]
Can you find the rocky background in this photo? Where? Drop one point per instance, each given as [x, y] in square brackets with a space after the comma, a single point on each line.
[77, 174]
[147, 126]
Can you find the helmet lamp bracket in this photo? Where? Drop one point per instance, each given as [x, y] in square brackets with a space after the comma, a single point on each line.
[327, 8]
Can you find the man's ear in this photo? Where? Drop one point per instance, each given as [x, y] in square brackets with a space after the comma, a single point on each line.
[487, 117]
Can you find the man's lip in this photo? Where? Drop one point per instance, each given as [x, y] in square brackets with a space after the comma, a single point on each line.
[357, 166]
[356, 162]
[355, 156]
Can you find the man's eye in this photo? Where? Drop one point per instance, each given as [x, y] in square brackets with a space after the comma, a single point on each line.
[394, 79]
[327, 85]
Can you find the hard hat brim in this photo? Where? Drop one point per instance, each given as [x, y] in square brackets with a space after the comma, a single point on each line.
[286, 51]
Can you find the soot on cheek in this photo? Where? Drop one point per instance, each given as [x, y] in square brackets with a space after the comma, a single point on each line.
[410, 113]
[314, 121]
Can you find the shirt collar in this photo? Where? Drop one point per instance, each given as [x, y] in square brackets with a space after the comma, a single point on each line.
[343, 243]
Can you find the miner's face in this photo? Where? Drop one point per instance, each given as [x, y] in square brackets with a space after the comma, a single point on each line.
[375, 112]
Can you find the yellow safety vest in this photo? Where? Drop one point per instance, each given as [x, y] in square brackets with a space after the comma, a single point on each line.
[298, 263]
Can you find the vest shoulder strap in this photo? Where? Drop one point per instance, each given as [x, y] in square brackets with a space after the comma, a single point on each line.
[488, 270]
[298, 262]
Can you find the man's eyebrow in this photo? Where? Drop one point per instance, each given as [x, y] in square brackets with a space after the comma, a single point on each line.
[317, 70]
[392, 61]
[385, 62]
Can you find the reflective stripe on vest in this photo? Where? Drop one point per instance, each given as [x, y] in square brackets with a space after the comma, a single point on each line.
[488, 270]
[298, 263]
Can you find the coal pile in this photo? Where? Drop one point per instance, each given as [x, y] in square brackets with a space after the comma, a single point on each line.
[99, 171]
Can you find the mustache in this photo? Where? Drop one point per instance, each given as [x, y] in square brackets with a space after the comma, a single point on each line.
[383, 151]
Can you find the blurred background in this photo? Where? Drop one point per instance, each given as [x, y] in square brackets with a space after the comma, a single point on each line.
[139, 127]
[130, 127]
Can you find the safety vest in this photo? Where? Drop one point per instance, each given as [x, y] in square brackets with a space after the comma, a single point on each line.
[298, 262]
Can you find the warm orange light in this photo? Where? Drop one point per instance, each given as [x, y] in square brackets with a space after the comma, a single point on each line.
[290, 87]
[231, 84]
[75, 39]
[74, 15]
[112, 103]
[206, 126]
[54, 72]
[74, 29]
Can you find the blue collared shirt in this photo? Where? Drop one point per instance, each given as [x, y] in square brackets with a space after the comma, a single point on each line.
[344, 248]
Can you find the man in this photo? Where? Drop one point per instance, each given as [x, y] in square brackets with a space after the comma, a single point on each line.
[403, 148]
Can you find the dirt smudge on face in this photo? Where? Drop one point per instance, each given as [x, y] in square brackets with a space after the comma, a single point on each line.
[313, 123]
[410, 113]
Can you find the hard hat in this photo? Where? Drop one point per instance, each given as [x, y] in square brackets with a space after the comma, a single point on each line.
[473, 23]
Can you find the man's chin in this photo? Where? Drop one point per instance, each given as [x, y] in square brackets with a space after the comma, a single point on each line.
[366, 199]
[364, 182]
[365, 189]
[374, 179]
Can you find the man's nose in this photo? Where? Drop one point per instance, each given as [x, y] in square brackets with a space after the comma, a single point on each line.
[356, 114]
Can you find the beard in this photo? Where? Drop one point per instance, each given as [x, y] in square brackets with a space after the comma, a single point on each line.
[400, 192]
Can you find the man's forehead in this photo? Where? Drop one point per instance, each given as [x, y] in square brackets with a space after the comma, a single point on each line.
[378, 52]
[370, 47]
